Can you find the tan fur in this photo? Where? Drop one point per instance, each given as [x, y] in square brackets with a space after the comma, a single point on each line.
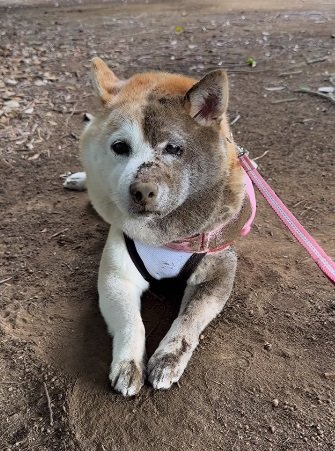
[139, 86]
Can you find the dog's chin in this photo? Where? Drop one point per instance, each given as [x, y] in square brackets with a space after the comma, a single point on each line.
[145, 213]
[138, 213]
[131, 211]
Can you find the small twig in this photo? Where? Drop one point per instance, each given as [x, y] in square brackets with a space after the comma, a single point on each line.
[298, 203]
[6, 280]
[237, 118]
[295, 72]
[316, 93]
[7, 163]
[58, 233]
[290, 99]
[216, 382]
[316, 60]
[60, 110]
[49, 404]
[261, 156]
[73, 135]
[68, 266]
[80, 111]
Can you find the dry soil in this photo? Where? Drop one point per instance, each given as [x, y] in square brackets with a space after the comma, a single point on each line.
[275, 338]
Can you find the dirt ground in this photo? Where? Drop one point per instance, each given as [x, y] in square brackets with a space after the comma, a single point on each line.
[275, 338]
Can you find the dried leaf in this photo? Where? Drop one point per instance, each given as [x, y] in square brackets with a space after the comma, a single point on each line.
[11, 82]
[40, 82]
[275, 88]
[251, 62]
[12, 104]
[34, 157]
[327, 89]
[29, 110]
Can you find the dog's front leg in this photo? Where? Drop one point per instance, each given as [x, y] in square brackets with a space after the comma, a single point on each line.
[120, 288]
[206, 293]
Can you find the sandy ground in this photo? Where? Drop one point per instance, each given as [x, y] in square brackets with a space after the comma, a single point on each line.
[274, 339]
[227, 5]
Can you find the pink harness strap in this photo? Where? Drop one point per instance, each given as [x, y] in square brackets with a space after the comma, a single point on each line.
[201, 243]
[325, 263]
[252, 199]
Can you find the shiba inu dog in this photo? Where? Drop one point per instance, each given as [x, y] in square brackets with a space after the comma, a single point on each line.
[161, 168]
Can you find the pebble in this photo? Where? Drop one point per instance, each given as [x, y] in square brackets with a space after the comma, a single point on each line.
[268, 346]
[275, 402]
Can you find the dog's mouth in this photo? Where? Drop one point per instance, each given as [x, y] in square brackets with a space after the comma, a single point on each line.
[144, 212]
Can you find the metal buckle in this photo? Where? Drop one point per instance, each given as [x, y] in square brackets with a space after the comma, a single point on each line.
[241, 151]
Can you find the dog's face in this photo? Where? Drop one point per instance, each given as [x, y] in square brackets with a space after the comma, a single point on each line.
[157, 142]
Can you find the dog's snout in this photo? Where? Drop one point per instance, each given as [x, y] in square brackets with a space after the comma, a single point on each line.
[144, 193]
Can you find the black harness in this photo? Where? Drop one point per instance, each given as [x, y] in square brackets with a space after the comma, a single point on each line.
[179, 280]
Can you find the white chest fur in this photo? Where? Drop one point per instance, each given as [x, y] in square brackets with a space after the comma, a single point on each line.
[162, 262]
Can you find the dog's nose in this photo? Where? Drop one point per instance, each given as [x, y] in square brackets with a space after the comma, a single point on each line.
[143, 193]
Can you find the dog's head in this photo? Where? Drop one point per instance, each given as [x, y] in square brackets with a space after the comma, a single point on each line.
[157, 142]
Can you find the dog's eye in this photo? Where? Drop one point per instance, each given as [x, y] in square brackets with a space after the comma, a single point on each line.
[121, 148]
[173, 149]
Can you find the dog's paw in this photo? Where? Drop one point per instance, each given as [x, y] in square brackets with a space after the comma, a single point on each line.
[127, 377]
[166, 368]
[76, 181]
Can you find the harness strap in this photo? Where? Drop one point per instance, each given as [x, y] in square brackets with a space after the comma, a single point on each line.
[320, 257]
[138, 262]
[183, 275]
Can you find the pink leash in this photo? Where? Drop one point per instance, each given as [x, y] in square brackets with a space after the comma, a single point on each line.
[325, 263]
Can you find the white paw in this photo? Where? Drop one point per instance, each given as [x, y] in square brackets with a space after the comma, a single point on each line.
[127, 377]
[166, 367]
[76, 181]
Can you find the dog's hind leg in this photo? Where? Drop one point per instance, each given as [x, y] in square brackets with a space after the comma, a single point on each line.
[207, 291]
[76, 181]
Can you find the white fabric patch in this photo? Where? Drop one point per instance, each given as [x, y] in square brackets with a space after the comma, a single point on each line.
[162, 262]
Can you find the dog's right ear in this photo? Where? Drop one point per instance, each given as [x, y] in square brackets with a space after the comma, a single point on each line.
[105, 82]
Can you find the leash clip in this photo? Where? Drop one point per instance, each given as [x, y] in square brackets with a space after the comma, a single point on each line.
[241, 151]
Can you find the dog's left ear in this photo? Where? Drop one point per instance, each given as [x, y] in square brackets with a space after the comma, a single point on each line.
[105, 82]
[207, 100]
